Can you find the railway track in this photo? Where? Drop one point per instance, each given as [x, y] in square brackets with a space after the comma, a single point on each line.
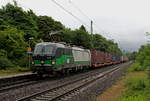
[63, 91]
[23, 83]
[28, 88]
[15, 81]
[31, 81]
[6, 80]
[17, 84]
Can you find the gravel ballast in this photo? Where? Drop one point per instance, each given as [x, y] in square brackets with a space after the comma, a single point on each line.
[91, 92]
[87, 94]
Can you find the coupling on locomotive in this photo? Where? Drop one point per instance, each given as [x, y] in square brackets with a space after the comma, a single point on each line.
[52, 58]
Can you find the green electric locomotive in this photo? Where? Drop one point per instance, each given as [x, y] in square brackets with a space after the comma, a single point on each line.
[52, 58]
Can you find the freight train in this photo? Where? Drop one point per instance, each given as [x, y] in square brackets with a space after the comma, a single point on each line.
[54, 58]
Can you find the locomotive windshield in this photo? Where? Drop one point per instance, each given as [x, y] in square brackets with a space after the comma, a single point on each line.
[44, 49]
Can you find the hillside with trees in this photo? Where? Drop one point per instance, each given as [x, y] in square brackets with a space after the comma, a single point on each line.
[18, 25]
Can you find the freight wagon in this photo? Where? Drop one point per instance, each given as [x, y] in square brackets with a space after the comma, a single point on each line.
[116, 59]
[108, 59]
[99, 58]
[124, 58]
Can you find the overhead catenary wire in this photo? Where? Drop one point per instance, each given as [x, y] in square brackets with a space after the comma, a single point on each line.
[75, 6]
[85, 15]
[82, 22]
[102, 31]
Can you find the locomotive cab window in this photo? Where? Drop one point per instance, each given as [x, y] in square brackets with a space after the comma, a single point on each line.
[44, 49]
[38, 49]
[49, 49]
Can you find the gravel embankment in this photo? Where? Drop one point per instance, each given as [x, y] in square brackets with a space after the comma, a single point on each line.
[91, 92]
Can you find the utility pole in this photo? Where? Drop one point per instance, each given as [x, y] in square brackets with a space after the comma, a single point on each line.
[92, 32]
[91, 27]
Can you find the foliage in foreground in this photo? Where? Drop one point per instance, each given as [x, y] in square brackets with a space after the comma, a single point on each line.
[135, 67]
[14, 70]
[131, 55]
[143, 56]
[137, 82]
[142, 60]
[133, 98]
[138, 86]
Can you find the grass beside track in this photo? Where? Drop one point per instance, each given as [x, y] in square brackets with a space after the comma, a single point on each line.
[133, 86]
[12, 71]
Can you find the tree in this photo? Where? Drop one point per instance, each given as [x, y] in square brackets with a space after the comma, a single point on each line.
[82, 28]
[46, 25]
[82, 38]
[132, 55]
[143, 56]
[16, 17]
[99, 42]
[13, 44]
[68, 36]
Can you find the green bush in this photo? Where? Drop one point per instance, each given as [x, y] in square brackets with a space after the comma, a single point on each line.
[22, 69]
[133, 98]
[136, 89]
[135, 67]
[136, 83]
[143, 56]
[147, 91]
[5, 63]
[139, 85]
[3, 53]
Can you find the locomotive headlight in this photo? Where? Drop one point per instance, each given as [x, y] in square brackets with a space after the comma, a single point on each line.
[53, 62]
[32, 63]
[42, 62]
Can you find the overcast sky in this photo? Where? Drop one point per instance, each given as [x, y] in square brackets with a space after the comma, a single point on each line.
[125, 21]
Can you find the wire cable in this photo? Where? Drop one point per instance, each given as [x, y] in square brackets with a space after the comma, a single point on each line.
[82, 22]
[97, 27]
[75, 6]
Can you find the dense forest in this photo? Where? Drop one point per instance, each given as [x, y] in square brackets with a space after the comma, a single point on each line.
[17, 26]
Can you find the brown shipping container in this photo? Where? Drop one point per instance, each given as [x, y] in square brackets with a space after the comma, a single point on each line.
[98, 57]
[108, 58]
